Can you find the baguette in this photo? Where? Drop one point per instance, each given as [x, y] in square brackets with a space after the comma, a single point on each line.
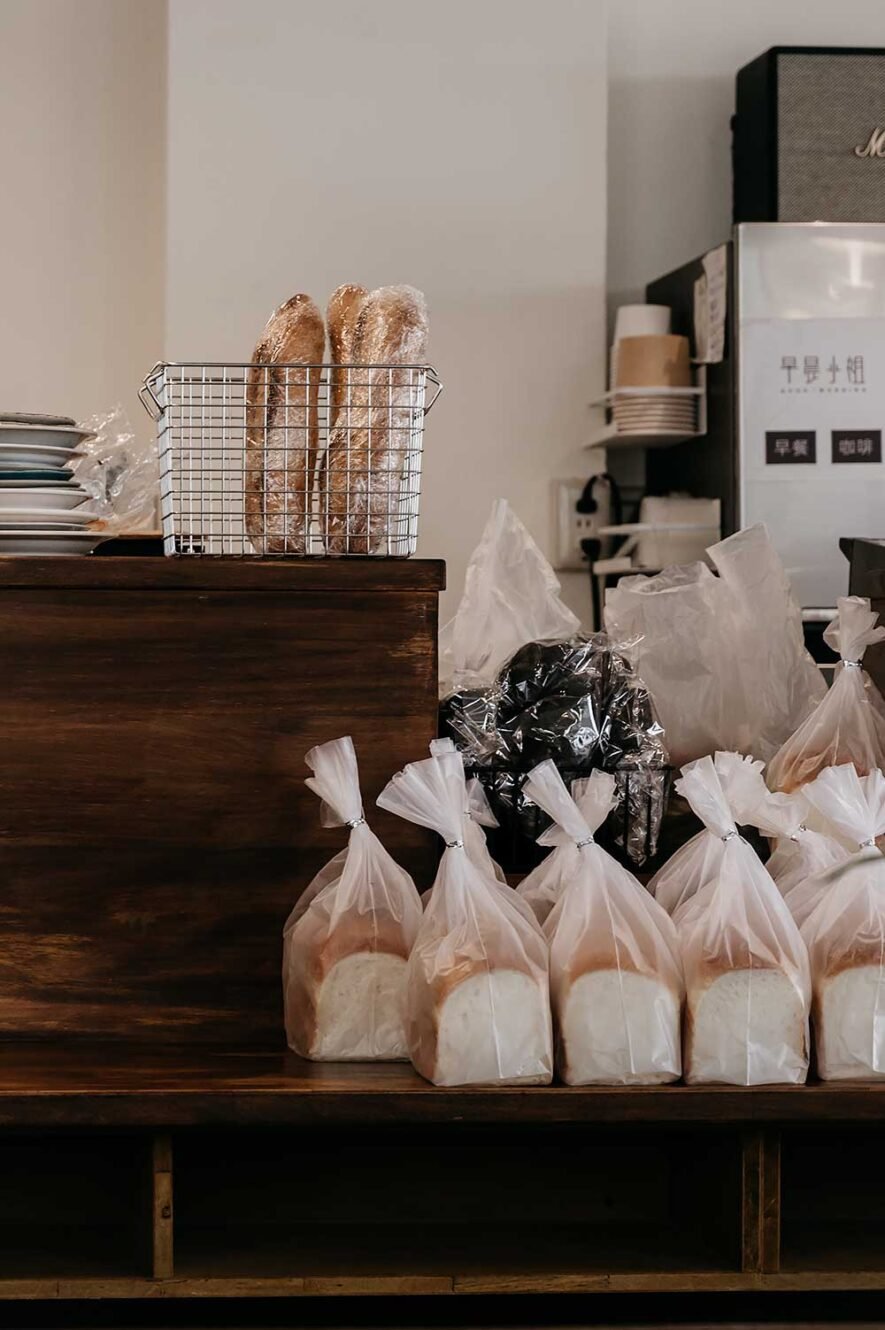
[366, 451]
[282, 429]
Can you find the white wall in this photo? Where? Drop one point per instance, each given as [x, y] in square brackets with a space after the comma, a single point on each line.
[457, 147]
[672, 65]
[82, 148]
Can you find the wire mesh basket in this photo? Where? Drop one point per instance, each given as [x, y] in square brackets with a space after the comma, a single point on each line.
[284, 459]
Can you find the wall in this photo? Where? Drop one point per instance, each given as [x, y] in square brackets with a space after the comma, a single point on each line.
[460, 148]
[671, 95]
[82, 143]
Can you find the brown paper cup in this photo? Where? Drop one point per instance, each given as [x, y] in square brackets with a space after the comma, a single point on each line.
[653, 362]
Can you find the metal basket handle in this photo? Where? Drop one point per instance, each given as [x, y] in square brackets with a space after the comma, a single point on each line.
[433, 377]
[148, 398]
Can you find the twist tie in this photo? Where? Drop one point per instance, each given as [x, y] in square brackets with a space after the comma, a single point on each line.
[356, 822]
[454, 845]
[729, 835]
[852, 664]
[582, 844]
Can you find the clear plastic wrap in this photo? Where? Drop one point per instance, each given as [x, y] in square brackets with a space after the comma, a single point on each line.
[347, 941]
[849, 723]
[845, 934]
[723, 657]
[121, 472]
[697, 862]
[615, 973]
[521, 685]
[477, 814]
[478, 1006]
[746, 968]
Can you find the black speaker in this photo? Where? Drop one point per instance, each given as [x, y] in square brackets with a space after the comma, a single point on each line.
[809, 136]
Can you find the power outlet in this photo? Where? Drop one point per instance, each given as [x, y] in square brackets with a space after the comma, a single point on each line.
[572, 527]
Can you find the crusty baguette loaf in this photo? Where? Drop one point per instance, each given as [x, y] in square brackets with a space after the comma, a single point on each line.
[341, 320]
[366, 452]
[282, 427]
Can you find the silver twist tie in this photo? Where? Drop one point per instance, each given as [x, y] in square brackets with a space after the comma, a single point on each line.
[582, 844]
[852, 664]
[800, 831]
[730, 835]
[357, 822]
[868, 844]
[454, 845]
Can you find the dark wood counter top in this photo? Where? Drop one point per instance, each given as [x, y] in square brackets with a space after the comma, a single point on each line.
[44, 1084]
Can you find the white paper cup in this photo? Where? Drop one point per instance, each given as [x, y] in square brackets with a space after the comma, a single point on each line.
[642, 321]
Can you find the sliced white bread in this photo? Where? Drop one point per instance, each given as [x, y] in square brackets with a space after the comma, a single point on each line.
[346, 992]
[617, 1027]
[849, 1014]
[487, 1025]
[745, 1026]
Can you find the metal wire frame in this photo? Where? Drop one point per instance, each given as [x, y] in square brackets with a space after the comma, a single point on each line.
[289, 459]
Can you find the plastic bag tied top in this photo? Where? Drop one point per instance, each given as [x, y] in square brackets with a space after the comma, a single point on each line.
[849, 723]
[697, 862]
[800, 851]
[746, 967]
[845, 934]
[478, 1008]
[511, 596]
[543, 886]
[477, 814]
[723, 657]
[347, 941]
[615, 974]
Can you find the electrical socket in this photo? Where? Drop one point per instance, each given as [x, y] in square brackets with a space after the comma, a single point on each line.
[571, 526]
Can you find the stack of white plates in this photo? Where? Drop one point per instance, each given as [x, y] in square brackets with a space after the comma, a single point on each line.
[43, 509]
[663, 411]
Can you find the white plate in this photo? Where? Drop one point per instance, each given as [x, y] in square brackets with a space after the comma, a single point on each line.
[43, 436]
[36, 456]
[40, 543]
[16, 518]
[33, 498]
[30, 418]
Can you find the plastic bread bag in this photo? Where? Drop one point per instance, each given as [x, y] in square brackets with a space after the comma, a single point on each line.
[478, 1006]
[723, 657]
[849, 723]
[477, 814]
[543, 886]
[511, 596]
[746, 968]
[347, 941]
[615, 974]
[697, 862]
[845, 934]
[800, 851]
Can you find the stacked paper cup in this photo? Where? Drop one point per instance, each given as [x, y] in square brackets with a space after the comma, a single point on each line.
[650, 374]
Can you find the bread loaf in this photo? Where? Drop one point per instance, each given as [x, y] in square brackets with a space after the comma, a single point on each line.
[484, 1024]
[848, 1006]
[367, 450]
[282, 429]
[345, 989]
[616, 1026]
[745, 1025]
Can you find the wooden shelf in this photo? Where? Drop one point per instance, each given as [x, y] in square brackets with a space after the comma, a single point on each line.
[158, 1085]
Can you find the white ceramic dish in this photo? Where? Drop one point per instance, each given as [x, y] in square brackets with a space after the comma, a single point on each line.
[34, 456]
[18, 518]
[43, 543]
[39, 498]
[29, 418]
[42, 436]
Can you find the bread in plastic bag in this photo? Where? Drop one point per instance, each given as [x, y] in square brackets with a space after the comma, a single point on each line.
[478, 1004]
[543, 886]
[746, 968]
[347, 941]
[477, 814]
[697, 862]
[723, 657]
[845, 934]
[849, 723]
[615, 974]
[511, 596]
